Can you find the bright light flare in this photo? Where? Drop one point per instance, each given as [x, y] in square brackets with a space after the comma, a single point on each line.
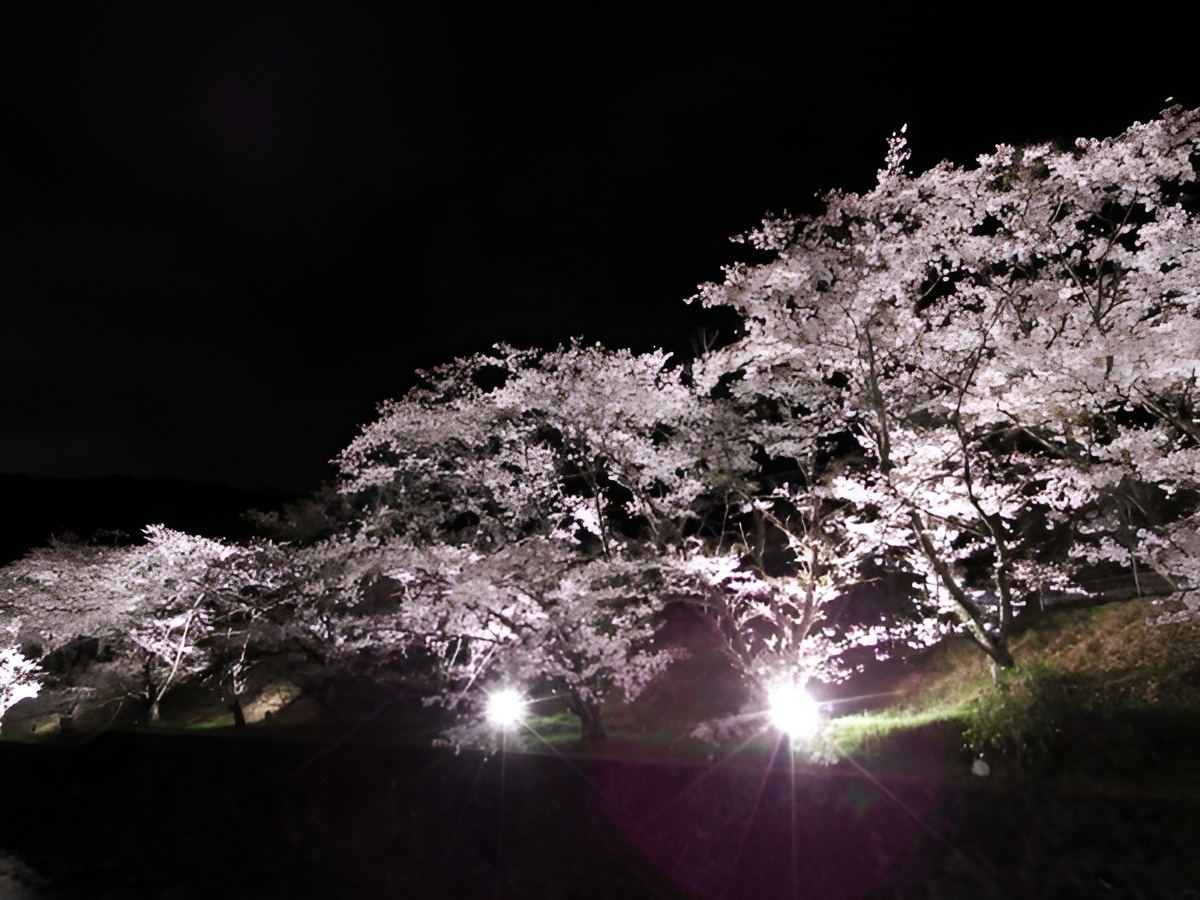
[792, 711]
[505, 709]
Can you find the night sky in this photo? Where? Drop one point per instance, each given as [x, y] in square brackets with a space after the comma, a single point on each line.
[234, 228]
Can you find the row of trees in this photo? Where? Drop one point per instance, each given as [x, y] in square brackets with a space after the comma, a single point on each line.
[104, 624]
[969, 385]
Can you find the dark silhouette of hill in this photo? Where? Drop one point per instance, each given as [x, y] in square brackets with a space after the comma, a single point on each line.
[34, 509]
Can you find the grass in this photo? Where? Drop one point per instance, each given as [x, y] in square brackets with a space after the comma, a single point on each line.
[1089, 682]
[558, 733]
[1082, 673]
[1095, 686]
[557, 730]
[854, 735]
[1091, 741]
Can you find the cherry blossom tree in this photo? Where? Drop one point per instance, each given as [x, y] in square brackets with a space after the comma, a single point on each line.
[531, 495]
[1013, 351]
[59, 593]
[174, 571]
[533, 615]
[255, 605]
[579, 443]
[607, 472]
[178, 607]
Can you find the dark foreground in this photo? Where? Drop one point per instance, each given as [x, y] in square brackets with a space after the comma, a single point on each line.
[216, 815]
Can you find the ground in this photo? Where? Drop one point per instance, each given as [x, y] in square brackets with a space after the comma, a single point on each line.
[1093, 790]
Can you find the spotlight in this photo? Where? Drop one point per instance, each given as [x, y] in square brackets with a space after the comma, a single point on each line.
[505, 709]
[792, 711]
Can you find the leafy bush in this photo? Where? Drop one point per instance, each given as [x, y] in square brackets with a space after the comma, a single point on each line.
[1029, 709]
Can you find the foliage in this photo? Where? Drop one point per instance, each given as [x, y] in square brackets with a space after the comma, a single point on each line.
[177, 607]
[1029, 707]
[1090, 681]
[949, 394]
[579, 444]
[532, 512]
[524, 507]
[1010, 351]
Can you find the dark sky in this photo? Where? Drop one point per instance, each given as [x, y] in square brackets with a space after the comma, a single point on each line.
[233, 228]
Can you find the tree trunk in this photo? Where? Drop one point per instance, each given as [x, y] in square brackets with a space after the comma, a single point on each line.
[152, 692]
[995, 646]
[591, 727]
[997, 649]
[239, 717]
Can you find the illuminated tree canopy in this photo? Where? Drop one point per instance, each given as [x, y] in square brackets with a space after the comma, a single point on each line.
[1013, 351]
[979, 384]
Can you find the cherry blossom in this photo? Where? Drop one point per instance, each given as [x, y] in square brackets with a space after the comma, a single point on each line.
[1012, 348]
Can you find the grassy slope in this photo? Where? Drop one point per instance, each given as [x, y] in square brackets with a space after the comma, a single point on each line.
[1095, 688]
[1092, 744]
[1095, 683]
